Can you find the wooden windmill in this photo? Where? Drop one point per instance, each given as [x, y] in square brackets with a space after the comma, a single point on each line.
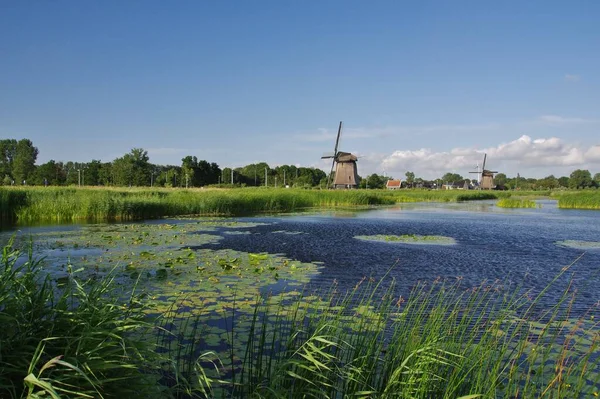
[485, 177]
[346, 172]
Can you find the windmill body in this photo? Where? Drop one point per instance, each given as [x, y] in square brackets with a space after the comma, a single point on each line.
[486, 177]
[346, 171]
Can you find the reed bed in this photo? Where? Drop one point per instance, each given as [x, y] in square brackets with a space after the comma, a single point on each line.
[516, 203]
[60, 204]
[442, 341]
[580, 200]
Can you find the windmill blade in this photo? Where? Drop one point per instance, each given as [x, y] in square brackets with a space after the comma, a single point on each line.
[335, 153]
[484, 158]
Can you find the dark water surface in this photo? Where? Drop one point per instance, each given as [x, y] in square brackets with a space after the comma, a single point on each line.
[511, 246]
[514, 246]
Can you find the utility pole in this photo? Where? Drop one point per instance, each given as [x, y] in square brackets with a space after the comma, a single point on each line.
[232, 176]
[186, 180]
[275, 181]
[284, 178]
[79, 177]
[152, 179]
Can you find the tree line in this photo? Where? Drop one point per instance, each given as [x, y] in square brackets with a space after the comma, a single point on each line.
[578, 179]
[134, 169]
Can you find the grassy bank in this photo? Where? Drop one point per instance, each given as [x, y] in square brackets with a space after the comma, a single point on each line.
[445, 341]
[58, 204]
[580, 200]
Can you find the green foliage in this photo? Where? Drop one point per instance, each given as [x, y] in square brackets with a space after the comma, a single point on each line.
[68, 338]
[580, 200]
[374, 181]
[410, 178]
[97, 204]
[515, 203]
[580, 179]
[452, 178]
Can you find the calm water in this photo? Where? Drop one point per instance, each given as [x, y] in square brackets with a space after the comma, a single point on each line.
[515, 246]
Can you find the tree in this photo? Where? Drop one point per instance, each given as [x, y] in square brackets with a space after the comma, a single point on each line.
[500, 180]
[132, 169]
[563, 181]
[51, 173]
[548, 182]
[410, 178]
[24, 160]
[597, 179]
[580, 179]
[8, 149]
[454, 178]
[374, 181]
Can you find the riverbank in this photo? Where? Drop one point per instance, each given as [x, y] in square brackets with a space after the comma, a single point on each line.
[72, 204]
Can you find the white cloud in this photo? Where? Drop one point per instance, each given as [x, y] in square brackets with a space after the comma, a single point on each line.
[545, 155]
[572, 78]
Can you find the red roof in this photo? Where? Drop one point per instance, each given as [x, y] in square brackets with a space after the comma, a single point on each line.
[392, 183]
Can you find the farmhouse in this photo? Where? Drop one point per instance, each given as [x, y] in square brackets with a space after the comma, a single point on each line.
[393, 184]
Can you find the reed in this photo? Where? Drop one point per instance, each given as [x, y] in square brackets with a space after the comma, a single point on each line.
[516, 203]
[60, 204]
[68, 339]
[580, 200]
[444, 340]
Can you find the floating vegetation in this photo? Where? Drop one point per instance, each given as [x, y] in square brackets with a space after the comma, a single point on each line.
[517, 203]
[410, 239]
[170, 261]
[576, 244]
[214, 335]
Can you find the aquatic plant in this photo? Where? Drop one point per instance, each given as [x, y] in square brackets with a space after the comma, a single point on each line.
[516, 203]
[409, 239]
[580, 200]
[69, 339]
[444, 340]
[70, 204]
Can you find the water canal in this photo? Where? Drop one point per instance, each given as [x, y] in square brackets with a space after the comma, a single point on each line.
[527, 247]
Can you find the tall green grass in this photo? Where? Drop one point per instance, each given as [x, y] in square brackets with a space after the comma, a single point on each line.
[444, 340]
[580, 200]
[516, 203]
[60, 204]
[69, 341]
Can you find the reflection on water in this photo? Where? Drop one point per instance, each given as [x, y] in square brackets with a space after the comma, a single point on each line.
[512, 246]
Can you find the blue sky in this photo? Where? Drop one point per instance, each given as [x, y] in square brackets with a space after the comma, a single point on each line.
[421, 86]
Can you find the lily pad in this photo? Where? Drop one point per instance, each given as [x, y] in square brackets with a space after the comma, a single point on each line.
[409, 239]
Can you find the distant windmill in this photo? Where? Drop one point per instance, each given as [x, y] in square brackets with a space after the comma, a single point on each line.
[346, 173]
[486, 177]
